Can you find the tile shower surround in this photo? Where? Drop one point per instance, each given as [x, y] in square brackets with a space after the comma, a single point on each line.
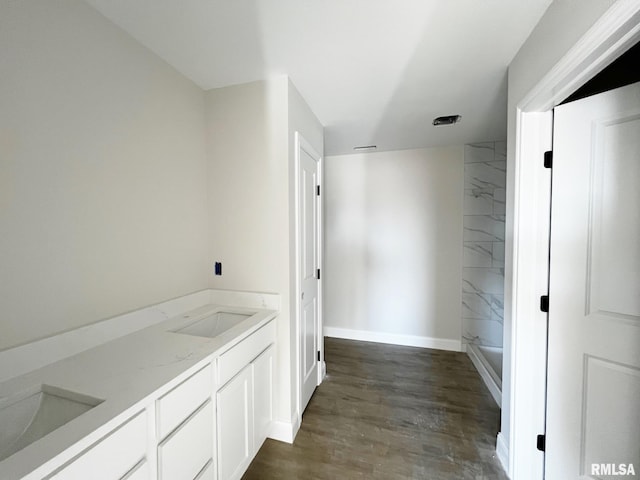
[483, 247]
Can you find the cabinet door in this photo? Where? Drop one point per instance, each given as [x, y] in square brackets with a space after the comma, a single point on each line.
[234, 415]
[263, 396]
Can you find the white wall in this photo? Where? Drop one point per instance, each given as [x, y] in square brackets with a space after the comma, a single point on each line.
[103, 188]
[393, 238]
[250, 134]
[248, 201]
[557, 32]
[248, 186]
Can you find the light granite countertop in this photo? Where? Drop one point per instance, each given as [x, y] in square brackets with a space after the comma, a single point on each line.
[127, 373]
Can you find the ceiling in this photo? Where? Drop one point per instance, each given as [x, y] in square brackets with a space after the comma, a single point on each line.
[373, 71]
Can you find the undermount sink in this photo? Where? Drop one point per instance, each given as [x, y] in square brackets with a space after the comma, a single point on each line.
[214, 325]
[31, 415]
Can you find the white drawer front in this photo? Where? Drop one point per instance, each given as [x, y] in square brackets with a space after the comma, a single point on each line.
[207, 472]
[179, 403]
[140, 472]
[240, 355]
[113, 456]
[187, 450]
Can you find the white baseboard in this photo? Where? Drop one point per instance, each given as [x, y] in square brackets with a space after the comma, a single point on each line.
[502, 452]
[284, 431]
[487, 378]
[394, 339]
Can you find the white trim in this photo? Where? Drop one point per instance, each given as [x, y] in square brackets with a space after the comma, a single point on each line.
[614, 33]
[530, 273]
[610, 36]
[502, 452]
[394, 339]
[284, 431]
[486, 373]
[26, 358]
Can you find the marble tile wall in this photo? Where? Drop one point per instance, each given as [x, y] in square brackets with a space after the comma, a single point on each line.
[483, 248]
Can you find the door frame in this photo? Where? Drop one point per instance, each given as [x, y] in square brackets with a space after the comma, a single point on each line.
[302, 144]
[614, 33]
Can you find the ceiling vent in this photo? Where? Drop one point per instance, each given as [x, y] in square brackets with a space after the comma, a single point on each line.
[448, 120]
[365, 148]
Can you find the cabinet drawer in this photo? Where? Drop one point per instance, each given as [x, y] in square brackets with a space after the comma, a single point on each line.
[207, 472]
[240, 355]
[139, 472]
[188, 449]
[113, 456]
[179, 403]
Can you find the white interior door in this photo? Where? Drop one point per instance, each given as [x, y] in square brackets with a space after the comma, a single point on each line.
[308, 269]
[593, 399]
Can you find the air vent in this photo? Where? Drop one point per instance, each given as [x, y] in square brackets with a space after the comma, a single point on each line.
[448, 120]
[366, 147]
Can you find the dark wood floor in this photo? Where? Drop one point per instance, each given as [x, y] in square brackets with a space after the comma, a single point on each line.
[389, 412]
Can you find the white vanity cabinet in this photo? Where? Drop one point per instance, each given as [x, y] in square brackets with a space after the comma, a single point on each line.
[244, 404]
[207, 426]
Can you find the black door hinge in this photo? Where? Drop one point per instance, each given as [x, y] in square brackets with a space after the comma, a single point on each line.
[544, 303]
[548, 159]
[318, 355]
[318, 190]
[541, 442]
[318, 274]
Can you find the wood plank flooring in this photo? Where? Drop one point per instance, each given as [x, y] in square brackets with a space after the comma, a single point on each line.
[390, 412]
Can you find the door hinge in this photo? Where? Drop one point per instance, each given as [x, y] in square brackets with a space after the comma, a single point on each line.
[541, 442]
[318, 274]
[318, 189]
[318, 355]
[544, 303]
[548, 159]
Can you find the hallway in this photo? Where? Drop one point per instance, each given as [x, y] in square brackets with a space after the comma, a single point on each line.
[390, 412]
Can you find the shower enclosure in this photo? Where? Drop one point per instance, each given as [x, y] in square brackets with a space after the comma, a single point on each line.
[483, 259]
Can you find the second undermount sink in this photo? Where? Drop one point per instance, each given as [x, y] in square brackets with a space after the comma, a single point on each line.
[31, 415]
[214, 325]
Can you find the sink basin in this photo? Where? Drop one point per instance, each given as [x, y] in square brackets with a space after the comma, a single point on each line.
[214, 325]
[31, 415]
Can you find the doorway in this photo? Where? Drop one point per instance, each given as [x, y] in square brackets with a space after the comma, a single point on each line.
[308, 270]
[617, 31]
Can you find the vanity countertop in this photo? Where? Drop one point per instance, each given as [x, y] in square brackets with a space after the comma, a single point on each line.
[127, 373]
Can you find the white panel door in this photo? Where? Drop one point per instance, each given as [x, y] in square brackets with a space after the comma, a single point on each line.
[308, 224]
[593, 399]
